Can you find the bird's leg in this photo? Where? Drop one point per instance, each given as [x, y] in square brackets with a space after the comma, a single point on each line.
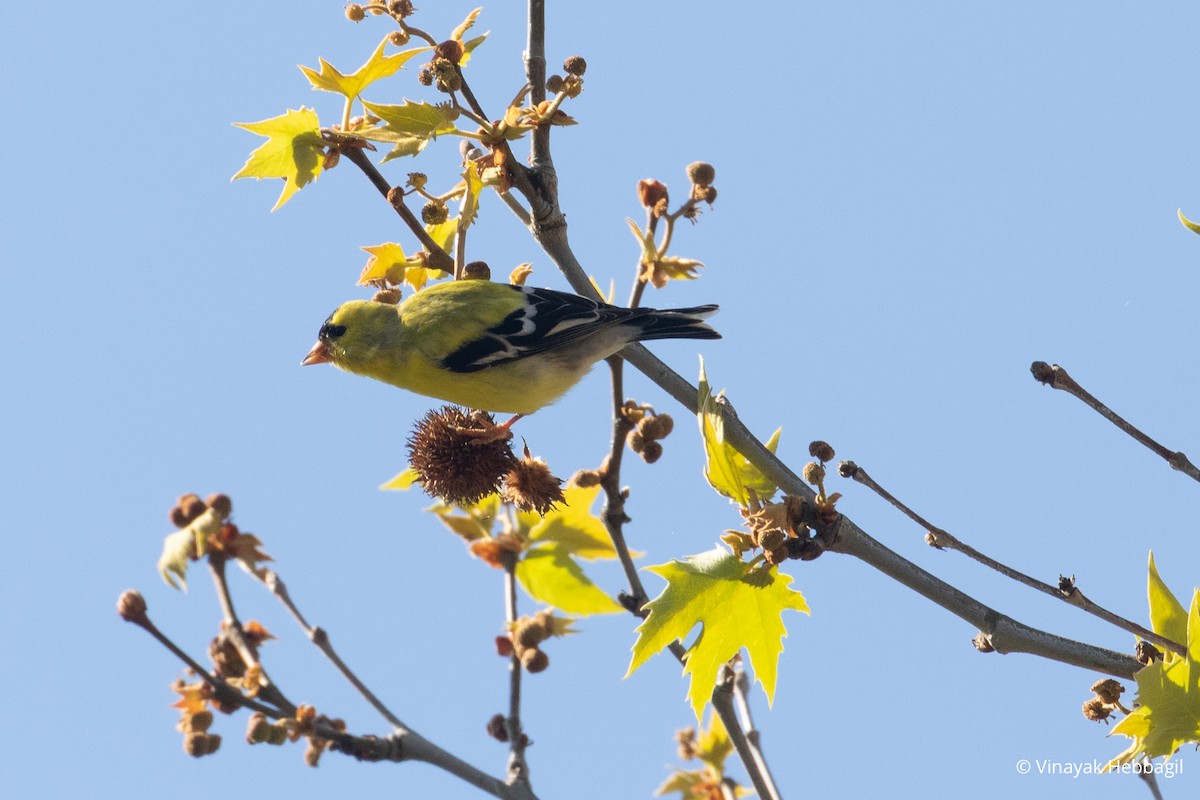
[489, 432]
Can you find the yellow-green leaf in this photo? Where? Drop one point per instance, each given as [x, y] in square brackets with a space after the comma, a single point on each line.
[727, 470]
[645, 242]
[293, 151]
[572, 526]
[458, 32]
[551, 576]
[402, 482]
[470, 522]
[1167, 615]
[472, 188]
[469, 48]
[329, 79]
[185, 545]
[410, 126]
[387, 264]
[736, 605]
[1167, 712]
[1194, 227]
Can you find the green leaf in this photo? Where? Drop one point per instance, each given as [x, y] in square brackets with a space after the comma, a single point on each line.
[572, 526]
[552, 577]
[329, 79]
[410, 126]
[736, 605]
[1191, 226]
[727, 470]
[293, 151]
[402, 482]
[458, 32]
[472, 188]
[1167, 615]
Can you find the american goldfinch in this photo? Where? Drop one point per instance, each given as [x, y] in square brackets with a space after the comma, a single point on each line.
[491, 346]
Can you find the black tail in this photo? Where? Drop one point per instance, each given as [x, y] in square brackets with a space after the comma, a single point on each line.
[677, 323]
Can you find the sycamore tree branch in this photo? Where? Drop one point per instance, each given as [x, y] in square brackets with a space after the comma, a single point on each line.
[1065, 590]
[320, 638]
[750, 755]
[1056, 377]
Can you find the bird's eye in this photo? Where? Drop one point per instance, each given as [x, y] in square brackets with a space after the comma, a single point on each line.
[330, 331]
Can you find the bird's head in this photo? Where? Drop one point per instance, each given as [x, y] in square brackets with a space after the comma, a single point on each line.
[354, 335]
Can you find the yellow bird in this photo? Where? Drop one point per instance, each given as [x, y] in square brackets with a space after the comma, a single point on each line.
[491, 346]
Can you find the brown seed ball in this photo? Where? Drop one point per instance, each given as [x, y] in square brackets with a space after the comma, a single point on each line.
[451, 50]
[455, 456]
[398, 38]
[652, 192]
[575, 65]
[821, 451]
[221, 504]
[701, 173]
[535, 660]
[554, 84]
[434, 213]
[355, 13]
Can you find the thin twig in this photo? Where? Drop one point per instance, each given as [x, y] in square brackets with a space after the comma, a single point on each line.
[741, 698]
[1056, 377]
[320, 638]
[269, 690]
[518, 769]
[439, 258]
[722, 702]
[1065, 590]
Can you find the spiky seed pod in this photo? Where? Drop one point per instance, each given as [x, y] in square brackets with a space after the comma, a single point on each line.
[417, 180]
[1096, 711]
[701, 173]
[425, 76]
[455, 458]
[400, 8]
[1108, 690]
[434, 213]
[530, 486]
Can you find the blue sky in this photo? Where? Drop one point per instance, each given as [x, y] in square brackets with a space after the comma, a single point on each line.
[916, 201]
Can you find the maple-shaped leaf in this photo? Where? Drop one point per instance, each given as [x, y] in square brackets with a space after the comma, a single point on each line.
[389, 266]
[1194, 227]
[727, 470]
[293, 151]
[329, 79]
[691, 785]
[1167, 715]
[410, 126]
[713, 745]
[548, 569]
[737, 606]
[470, 522]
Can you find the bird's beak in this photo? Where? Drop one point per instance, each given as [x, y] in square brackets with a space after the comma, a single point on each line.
[318, 355]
